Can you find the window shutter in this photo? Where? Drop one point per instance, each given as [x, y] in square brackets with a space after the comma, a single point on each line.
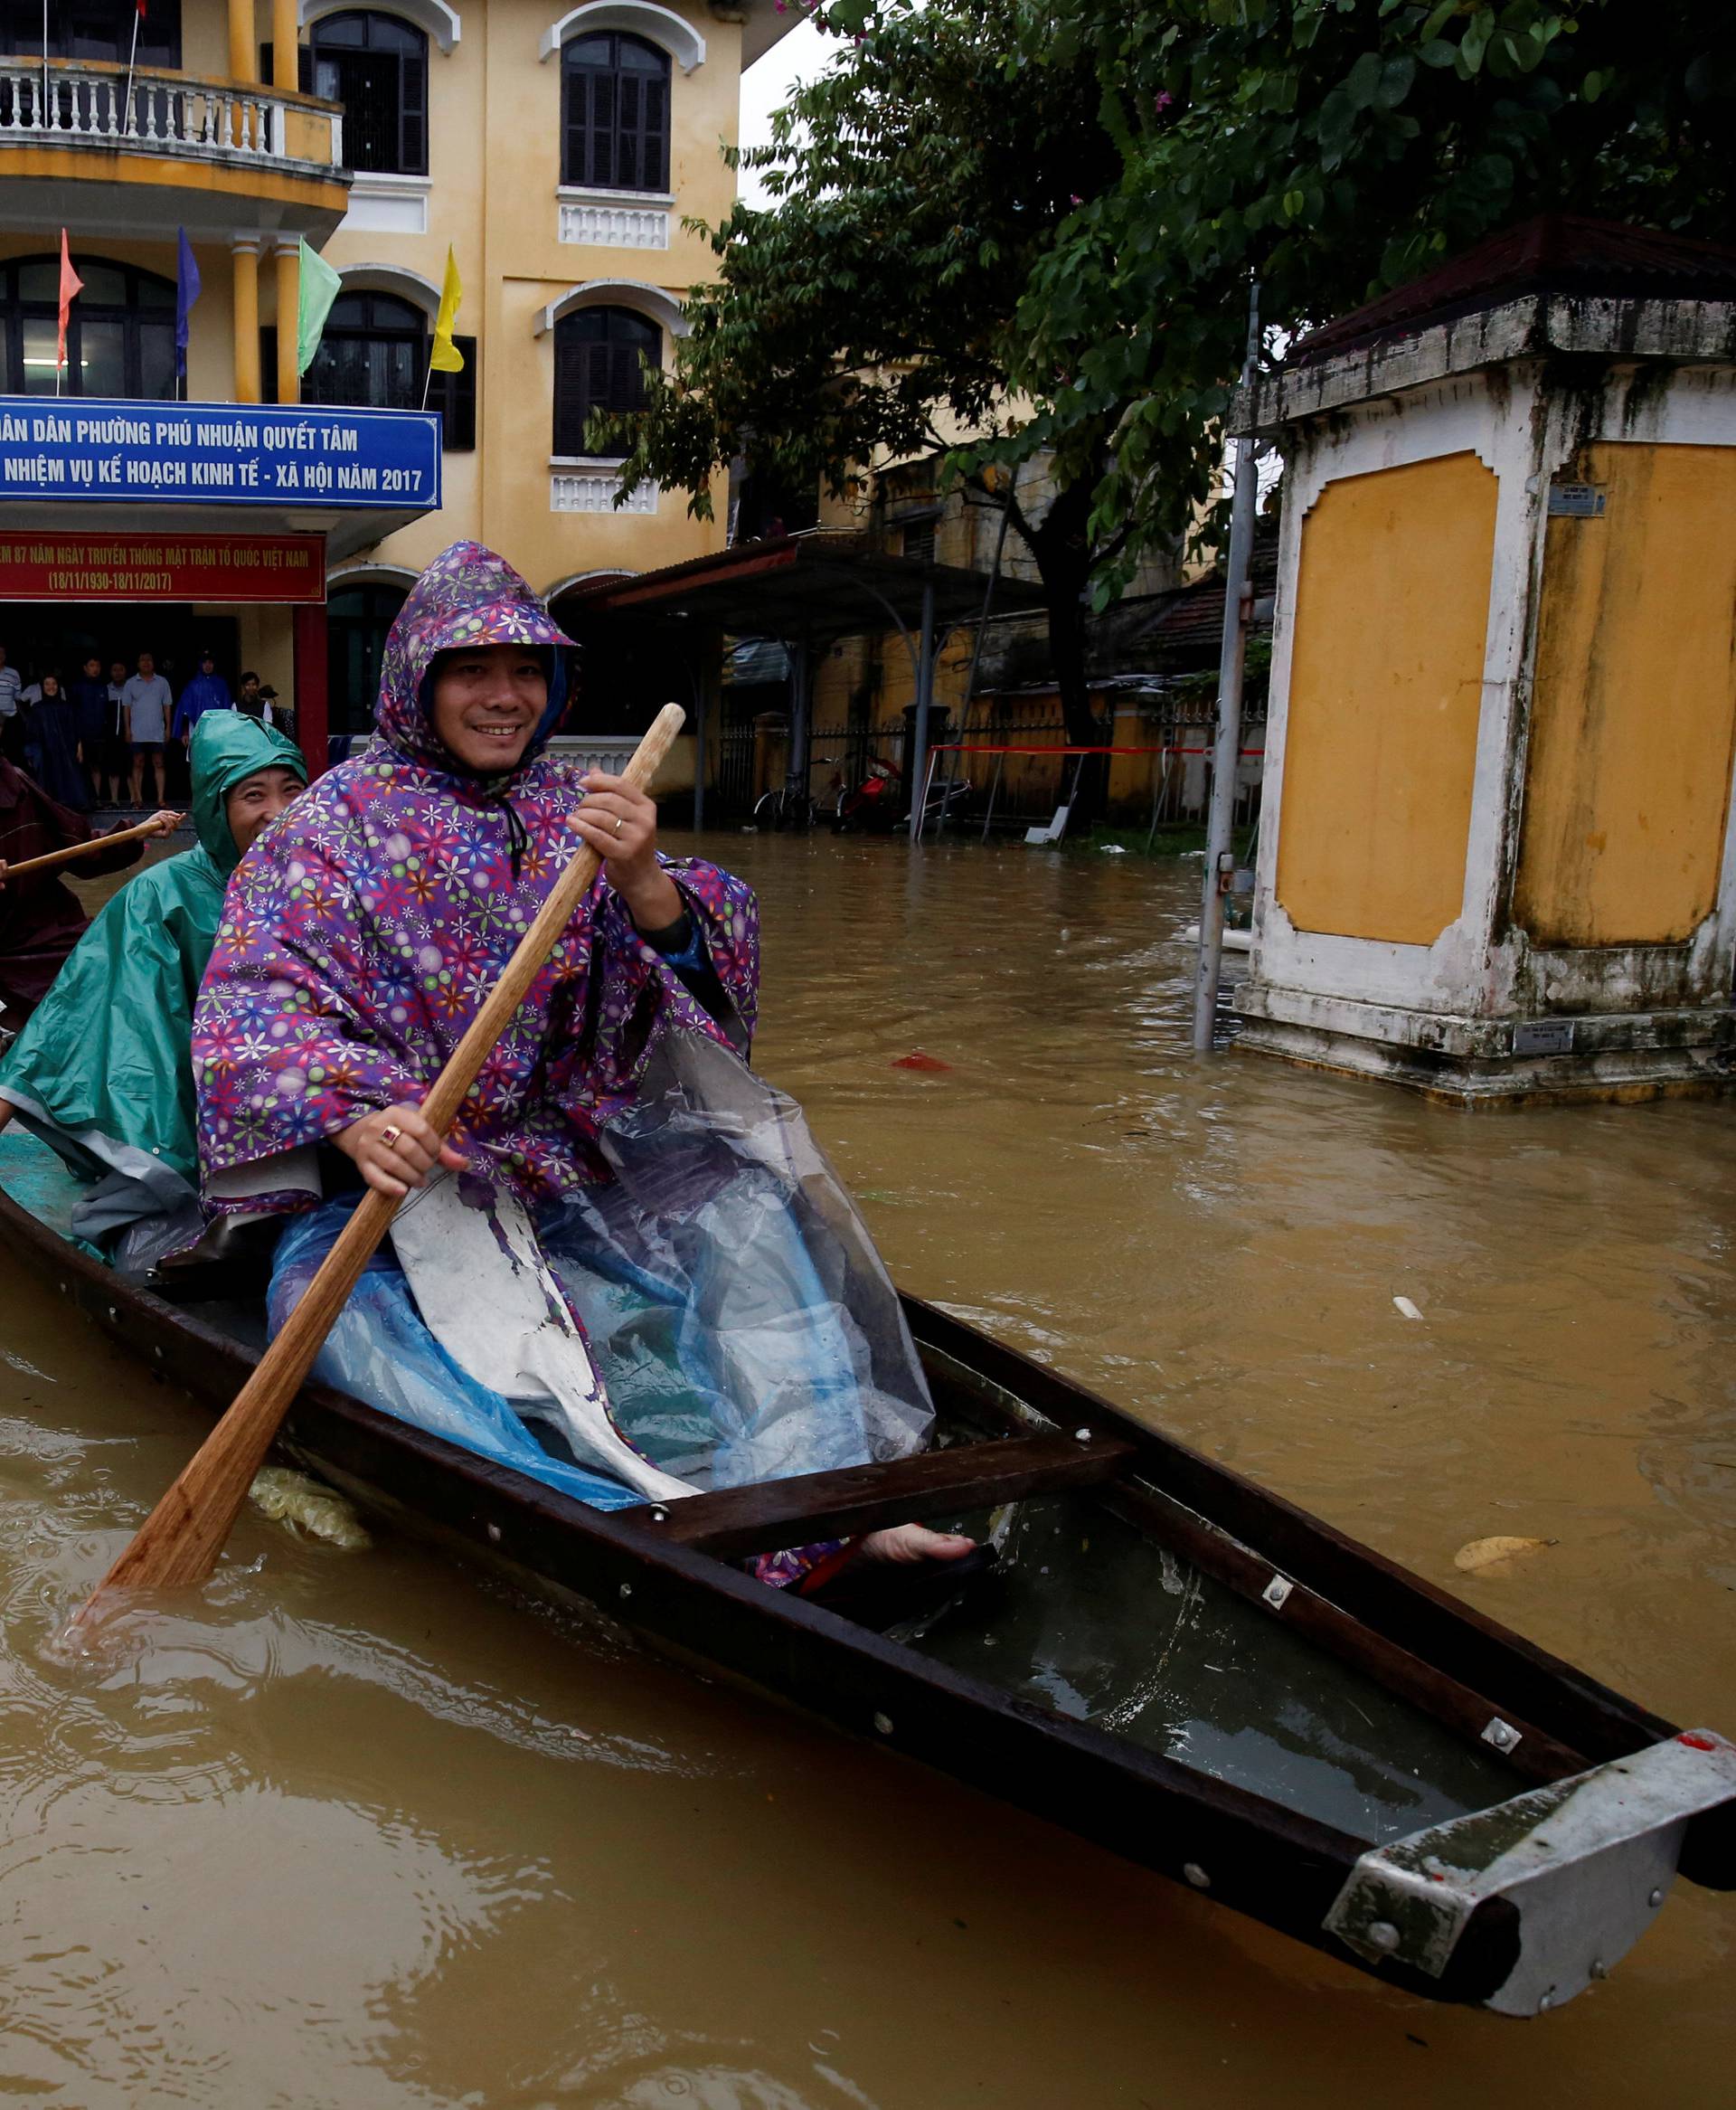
[602, 130]
[454, 395]
[304, 67]
[570, 364]
[654, 163]
[630, 131]
[413, 106]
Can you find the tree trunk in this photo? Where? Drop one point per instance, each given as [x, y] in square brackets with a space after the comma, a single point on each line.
[1061, 548]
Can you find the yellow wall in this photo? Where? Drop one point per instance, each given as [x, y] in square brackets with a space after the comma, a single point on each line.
[1385, 688]
[495, 161]
[495, 176]
[1633, 703]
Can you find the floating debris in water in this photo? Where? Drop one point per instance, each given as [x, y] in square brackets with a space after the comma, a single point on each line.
[1406, 1308]
[293, 1498]
[917, 1060]
[1490, 1553]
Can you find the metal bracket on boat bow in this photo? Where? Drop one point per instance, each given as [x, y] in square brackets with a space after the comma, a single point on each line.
[1585, 1861]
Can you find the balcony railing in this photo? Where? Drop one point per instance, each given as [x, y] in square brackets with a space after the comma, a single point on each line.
[78, 102]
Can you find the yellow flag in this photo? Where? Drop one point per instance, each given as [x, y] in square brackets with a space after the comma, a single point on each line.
[446, 356]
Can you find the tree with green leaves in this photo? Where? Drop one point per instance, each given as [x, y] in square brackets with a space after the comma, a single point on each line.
[1007, 228]
[1333, 149]
[870, 314]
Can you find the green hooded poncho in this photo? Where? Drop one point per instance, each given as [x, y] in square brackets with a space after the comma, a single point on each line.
[101, 1070]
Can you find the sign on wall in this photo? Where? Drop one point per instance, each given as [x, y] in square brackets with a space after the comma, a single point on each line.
[50, 566]
[218, 454]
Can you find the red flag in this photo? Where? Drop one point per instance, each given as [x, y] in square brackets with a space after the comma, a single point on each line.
[141, 10]
[71, 284]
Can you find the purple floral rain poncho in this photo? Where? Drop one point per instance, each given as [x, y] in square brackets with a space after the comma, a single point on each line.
[735, 1321]
[364, 930]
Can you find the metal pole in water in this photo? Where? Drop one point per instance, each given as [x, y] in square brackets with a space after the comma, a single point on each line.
[917, 778]
[1227, 748]
[796, 770]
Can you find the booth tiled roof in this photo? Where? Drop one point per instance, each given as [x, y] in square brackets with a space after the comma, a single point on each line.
[1556, 252]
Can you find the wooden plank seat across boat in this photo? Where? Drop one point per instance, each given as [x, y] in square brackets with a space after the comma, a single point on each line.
[1174, 1662]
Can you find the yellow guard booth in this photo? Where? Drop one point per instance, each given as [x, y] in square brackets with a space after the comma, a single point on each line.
[1494, 858]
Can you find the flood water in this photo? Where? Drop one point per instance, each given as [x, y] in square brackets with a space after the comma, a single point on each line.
[359, 1832]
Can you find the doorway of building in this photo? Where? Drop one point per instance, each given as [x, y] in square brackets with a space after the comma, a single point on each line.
[358, 620]
[58, 636]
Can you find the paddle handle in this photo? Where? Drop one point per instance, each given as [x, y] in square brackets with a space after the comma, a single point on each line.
[97, 842]
[179, 1542]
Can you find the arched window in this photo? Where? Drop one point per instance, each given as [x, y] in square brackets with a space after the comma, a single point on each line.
[374, 352]
[120, 331]
[597, 354]
[615, 104]
[376, 66]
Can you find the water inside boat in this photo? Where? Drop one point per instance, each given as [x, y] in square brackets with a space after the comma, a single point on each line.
[1095, 1619]
[1099, 1622]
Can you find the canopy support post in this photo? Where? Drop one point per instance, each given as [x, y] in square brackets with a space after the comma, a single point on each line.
[801, 681]
[916, 776]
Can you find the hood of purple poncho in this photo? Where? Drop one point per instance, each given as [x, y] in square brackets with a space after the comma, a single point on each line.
[468, 596]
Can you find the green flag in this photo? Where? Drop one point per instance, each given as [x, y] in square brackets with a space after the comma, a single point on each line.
[320, 286]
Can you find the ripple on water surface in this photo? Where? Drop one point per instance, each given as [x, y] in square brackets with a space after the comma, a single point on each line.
[349, 1831]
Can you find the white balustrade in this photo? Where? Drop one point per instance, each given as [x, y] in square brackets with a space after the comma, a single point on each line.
[615, 226]
[611, 752]
[166, 115]
[592, 490]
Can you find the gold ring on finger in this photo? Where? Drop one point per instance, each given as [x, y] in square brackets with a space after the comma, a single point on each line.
[388, 1136]
[619, 820]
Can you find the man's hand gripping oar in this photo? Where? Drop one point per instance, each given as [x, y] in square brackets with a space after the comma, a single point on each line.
[181, 1540]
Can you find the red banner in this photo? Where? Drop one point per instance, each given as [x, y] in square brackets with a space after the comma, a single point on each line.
[48, 566]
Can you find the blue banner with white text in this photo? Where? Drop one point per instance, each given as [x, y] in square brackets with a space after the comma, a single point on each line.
[228, 454]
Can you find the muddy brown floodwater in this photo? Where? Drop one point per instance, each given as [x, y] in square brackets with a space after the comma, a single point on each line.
[357, 1832]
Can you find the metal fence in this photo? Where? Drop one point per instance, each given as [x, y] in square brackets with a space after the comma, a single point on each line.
[984, 792]
[1168, 787]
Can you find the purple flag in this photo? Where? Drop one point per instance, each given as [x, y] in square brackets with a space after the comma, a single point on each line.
[186, 291]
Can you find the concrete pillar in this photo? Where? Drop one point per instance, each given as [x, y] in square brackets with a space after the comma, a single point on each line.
[286, 37]
[243, 62]
[246, 254]
[1495, 862]
[288, 302]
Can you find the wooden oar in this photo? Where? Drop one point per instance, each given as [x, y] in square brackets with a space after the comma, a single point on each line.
[180, 1540]
[97, 842]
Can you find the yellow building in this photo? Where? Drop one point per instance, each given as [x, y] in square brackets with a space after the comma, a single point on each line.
[1496, 859]
[556, 151]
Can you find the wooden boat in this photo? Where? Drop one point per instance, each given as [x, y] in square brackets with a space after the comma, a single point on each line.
[1174, 1662]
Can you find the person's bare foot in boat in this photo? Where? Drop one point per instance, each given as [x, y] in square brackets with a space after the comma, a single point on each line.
[911, 1545]
[905, 1572]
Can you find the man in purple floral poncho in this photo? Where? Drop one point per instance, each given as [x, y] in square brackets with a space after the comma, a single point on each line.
[699, 1340]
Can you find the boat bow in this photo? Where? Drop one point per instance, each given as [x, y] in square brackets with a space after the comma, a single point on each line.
[1584, 1863]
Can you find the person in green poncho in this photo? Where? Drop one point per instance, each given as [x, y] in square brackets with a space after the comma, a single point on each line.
[101, 1071]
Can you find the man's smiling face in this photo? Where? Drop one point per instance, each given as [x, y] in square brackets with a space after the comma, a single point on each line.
[488, 701]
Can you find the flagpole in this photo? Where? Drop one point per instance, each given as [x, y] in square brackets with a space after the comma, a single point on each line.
[427, 378]
[131, 58]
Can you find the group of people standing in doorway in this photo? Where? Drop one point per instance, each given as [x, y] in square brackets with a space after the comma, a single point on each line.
[105, 742]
